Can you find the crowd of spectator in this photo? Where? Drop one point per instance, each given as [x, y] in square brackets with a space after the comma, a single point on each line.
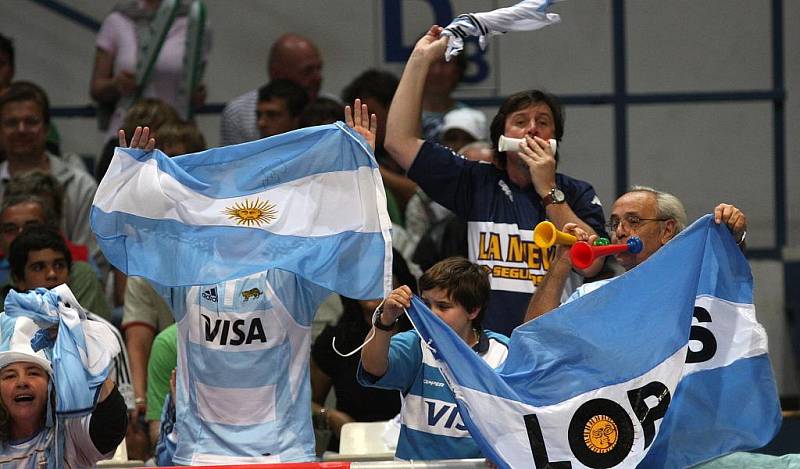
[449, 193]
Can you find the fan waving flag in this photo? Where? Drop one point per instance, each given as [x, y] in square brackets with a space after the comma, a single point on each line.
[665, 366]
[527, 15]
[82, 352]
[309, 201]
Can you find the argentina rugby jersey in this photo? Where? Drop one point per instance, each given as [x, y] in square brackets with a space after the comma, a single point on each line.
[431, 426]
[243, 391]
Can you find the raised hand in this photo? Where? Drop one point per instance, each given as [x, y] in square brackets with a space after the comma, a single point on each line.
[359, 119]
[396, 302]
[733, 218]
[432, 45]
[141, 139]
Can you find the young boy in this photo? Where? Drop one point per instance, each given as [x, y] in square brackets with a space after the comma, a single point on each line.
[39, 258]
[457, 291]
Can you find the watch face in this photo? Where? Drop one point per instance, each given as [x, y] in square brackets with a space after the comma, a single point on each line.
[558, 196]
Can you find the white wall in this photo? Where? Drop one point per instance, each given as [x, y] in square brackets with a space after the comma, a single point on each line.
[704, 153]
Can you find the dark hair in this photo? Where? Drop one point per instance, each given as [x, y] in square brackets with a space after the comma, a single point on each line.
[293, 94]
[373, 83]
[461, 62]
[35, 238]
[7, 46]
[465, 283]
[40, 184]
[27, 91]
[518, 101]
[50, 218]
[322, 111]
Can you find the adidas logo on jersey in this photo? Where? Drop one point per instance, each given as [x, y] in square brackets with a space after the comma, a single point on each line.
[210, 294]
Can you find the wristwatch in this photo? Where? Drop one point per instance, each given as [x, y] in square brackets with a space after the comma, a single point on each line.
[376, 321]
[555, 196]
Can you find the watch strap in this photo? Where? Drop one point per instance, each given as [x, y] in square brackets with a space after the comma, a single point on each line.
[376, 321]
[550, 198]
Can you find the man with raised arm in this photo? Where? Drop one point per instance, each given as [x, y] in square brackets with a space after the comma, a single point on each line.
[501, 204]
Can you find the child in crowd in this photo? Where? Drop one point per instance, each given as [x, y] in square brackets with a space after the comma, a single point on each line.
[457, 291]
[179, 138]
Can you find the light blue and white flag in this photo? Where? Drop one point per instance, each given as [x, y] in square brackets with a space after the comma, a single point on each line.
[81, 354]
[527, 15]
[666, 366]
[309, 201]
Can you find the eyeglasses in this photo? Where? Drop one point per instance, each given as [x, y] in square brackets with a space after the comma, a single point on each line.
[630, 222]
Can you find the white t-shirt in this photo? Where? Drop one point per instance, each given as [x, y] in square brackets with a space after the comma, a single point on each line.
[117, 36]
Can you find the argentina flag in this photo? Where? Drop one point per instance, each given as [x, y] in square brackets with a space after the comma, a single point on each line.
[82, 353]
[309, 201]
[665, 366]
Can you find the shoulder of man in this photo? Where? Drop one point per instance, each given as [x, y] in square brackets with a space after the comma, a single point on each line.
[240, 103]
[66, 173]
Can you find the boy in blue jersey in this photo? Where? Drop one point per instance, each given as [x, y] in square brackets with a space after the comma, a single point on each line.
[457, 291]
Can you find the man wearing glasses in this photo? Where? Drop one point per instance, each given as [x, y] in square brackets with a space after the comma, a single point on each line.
[654, 216]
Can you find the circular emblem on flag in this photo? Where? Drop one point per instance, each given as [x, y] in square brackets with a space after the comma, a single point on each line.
[600, 434]
[252, 212]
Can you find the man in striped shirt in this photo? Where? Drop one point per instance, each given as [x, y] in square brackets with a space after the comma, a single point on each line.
[292, 57]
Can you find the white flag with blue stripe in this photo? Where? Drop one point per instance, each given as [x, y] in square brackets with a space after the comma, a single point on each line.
[309, 201]
[665, 366]
[82, 353]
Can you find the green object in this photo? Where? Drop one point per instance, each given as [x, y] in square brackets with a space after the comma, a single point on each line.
[395, 214]
[602, 242]
[53, 136]
[163, 359]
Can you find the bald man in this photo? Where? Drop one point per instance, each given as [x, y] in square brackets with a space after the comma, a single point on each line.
[292, 57]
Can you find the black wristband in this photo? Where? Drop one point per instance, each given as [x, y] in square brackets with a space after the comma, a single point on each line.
[376, 321]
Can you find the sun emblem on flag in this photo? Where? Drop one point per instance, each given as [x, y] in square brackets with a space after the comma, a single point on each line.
[600, 434]
[251, 212]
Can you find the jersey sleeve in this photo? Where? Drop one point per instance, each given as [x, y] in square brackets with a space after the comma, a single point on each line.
[107, 38]
[141, 298]
[405, 359]
[447, 177]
